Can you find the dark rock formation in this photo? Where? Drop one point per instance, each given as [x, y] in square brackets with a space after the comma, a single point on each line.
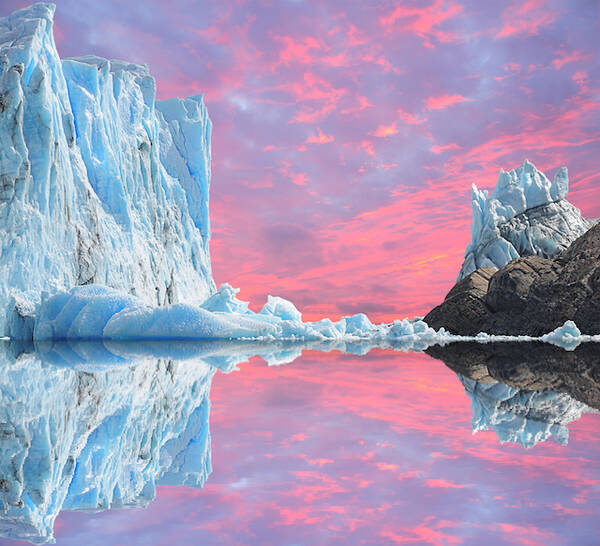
[528, 296]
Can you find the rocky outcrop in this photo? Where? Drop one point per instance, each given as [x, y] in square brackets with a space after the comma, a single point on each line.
[528, 296]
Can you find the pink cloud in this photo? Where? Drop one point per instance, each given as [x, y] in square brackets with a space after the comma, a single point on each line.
[566, 57]
[423, 21]
[384, 131]
[294, 50]
[438, 149]
[319, 138]
[526, 18]
[442, 102]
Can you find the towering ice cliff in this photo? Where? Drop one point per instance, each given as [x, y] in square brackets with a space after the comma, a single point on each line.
[526, 215]
[99, 182]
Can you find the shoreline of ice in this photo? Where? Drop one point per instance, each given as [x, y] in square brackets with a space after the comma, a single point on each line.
[95, 312]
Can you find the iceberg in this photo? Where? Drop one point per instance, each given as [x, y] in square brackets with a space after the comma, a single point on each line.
[100, 183]
[526, 215]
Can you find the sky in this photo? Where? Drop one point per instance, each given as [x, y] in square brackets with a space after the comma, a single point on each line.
[347, 134]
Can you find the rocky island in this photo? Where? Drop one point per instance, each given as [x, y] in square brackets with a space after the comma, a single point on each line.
[536, 270]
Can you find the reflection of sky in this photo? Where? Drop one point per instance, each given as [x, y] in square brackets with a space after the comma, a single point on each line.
[377, 448]
[347, 134]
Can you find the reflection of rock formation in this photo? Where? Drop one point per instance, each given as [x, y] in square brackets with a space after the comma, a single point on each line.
[91, 440]
[525, 392]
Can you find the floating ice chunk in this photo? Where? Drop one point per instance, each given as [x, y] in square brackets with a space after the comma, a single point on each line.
[329, 329]
[358, 324]
[566, 336]
[407, 328]
[284, 309]
[225, 300]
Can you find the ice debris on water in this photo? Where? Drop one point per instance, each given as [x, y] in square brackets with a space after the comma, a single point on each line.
[97, 312]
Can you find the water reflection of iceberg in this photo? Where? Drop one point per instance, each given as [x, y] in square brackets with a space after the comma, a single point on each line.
[98, 425]
[92, 426]
[525, 392]
[96, 439]
[524, 417]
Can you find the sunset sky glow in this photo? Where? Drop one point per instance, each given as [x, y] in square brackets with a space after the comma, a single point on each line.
[347, 134]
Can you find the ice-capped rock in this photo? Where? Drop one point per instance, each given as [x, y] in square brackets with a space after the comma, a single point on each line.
[526, 215]
[524, 417]
[99, 182]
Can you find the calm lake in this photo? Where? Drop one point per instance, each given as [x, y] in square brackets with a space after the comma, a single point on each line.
[328, 449]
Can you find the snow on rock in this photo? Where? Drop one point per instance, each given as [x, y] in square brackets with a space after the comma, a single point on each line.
[99, 182]
[525, 215]
[524, 417]
[97, 439]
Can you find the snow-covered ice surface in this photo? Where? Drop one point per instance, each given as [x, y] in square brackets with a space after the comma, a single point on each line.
[99, 182]
[526, 215]
[524, 417]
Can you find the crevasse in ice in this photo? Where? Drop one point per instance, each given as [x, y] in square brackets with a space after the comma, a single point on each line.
[99, 181]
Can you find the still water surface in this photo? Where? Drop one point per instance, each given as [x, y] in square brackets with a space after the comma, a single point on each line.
[329, 449]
